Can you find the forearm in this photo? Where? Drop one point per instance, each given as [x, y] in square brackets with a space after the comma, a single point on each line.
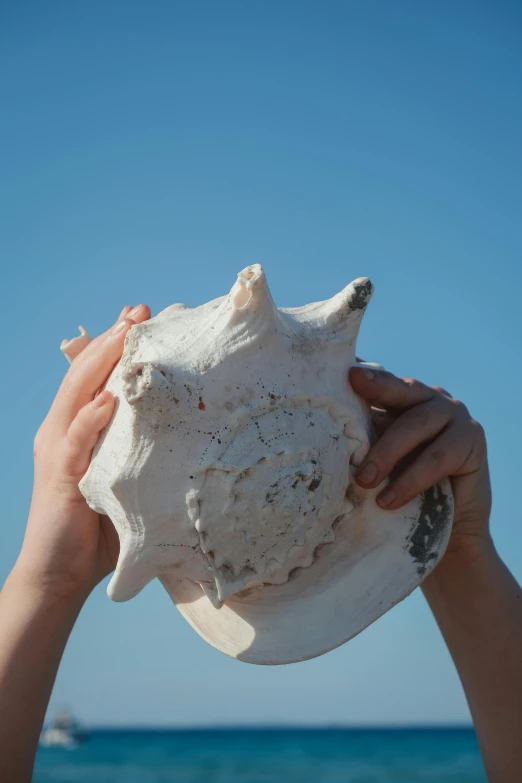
[478, 606]
[34, 628]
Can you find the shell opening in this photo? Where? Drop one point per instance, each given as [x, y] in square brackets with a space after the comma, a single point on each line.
[247, 280]
[242, 298]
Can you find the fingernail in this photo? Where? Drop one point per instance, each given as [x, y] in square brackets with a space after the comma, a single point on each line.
[119, 326]
[370, 374]
[134, 311]
[367, 473]
[100, 400]
[387, 497]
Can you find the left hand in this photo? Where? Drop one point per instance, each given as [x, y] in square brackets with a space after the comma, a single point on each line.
[68, 548]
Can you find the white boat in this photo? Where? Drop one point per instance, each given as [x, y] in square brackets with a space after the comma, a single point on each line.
[64, 732]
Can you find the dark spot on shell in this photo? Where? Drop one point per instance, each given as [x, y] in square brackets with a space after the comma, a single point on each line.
[201, 405]
[360, 296]
[315, 483]
[434, 518]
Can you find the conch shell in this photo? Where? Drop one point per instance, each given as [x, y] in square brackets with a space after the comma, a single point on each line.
[227, 471]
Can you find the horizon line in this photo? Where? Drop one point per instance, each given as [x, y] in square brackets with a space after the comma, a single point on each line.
[282, 727]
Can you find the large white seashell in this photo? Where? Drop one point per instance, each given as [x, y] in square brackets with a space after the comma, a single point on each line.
[227, 472]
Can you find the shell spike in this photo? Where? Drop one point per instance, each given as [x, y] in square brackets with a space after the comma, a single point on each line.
[71, 348]
[252, 308]
[250, 288]
[342, 313]
[132, 574]
[250, 292]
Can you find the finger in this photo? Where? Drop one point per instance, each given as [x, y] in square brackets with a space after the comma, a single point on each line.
[73, 347]
[88, 373]
[91, 369]
[126, 311]
[381, 420]
[136, 314]
[415, 426]
[84, 432]
[441, 458]
[384, 389]
[443, 391]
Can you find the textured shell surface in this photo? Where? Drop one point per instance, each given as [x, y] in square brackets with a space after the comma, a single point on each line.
[227, 472]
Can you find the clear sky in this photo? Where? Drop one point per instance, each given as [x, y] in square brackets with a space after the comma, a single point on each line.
[152, 150]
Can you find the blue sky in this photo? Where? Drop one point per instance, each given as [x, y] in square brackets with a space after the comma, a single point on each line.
[152, 150]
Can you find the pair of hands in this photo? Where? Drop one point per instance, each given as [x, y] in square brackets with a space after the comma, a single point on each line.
[68, 548]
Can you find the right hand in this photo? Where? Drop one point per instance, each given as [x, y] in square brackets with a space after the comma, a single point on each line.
[436, 437]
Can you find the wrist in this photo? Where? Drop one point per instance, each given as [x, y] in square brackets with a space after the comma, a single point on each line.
[464, 556]
[43, 590]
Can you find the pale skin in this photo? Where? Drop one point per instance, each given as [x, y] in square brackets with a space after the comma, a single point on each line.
[424, 435]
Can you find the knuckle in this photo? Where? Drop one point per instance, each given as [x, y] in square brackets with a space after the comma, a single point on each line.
[71, 459]
[436, 456]
[461, 409]
[72, 444]
[81, 437]
[478, 431]
[75, 438]
[413, 386]
[386, 455]
[442, 390]
[420, 415]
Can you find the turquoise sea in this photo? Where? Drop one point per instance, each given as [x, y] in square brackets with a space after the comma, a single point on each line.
[267, 756]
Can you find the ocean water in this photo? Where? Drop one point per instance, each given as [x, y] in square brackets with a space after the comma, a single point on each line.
[267, 756]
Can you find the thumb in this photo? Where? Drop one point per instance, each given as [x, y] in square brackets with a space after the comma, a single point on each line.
[84, 432]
